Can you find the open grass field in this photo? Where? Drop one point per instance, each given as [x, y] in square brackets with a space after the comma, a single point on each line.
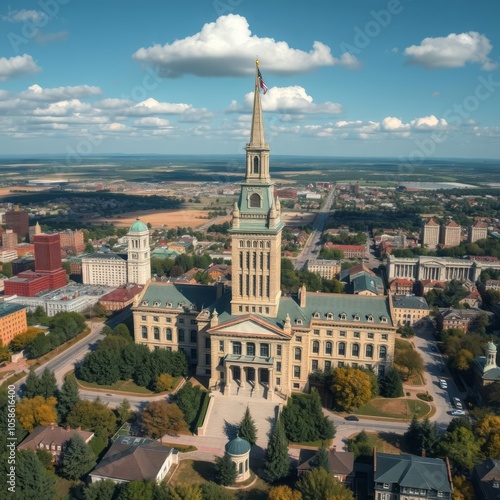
[394, 408]
[158, 218]
[386, 442]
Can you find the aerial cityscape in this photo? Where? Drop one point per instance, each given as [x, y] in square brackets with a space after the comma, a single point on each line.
[249, 250]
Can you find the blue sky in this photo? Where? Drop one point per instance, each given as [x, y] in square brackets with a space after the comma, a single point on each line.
[409, 79]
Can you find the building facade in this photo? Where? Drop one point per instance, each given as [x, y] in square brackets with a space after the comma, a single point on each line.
[451, 234]
[430, 234]
[111, 269]
[18, 221]
[478, 231]
[12, 321]
[72, 242]
[9, 239]
[250, 339]
[327, 269]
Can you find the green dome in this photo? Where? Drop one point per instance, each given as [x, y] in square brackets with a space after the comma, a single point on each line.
[138, 227]
[238, 446]
[492, 347]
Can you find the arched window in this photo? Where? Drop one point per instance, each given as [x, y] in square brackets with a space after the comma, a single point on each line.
[328, 348]
[341, 348]
[255, 200]
[255, 164]
[168, 334]
[382, 352]
[329, 316]
[156, 333]
[298, 354]
[316, 315]
[144, 331]
[343, 316]
[250, 349]
[369, 351]
[355, 350]
[242, 243]
[315, 347]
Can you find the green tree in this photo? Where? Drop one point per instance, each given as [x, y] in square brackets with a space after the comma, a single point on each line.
[188, 399]
[160, 417]
[46, 459]
[39, 346]
[225, 470]
[4, 353]
[351, 388]
[276, 461]
[391, 385]
[93, 416]
[318, 484]
[68, 396]
[247, 427]
[283, 492]
[32, 385]
[32, 480]
[48, 384]
[78, 458]
[6, 269]
[212, 491]
[409, 360]
[321, 458]
[360, 445]
[462, 448]
[99, 311]
[124, 411]
[122, 331]
[101, 490]
[164, 382]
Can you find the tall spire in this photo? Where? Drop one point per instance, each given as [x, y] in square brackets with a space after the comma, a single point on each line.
[257, 131]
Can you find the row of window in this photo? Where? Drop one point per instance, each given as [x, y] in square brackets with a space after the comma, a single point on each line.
[342, 349]
[328, 366]
[356, 335]
[181, 334]
[255, 244]
[250, 347]
[168, 319]
[342, 316]
[249, 260]
[259, 309]
[254, 285]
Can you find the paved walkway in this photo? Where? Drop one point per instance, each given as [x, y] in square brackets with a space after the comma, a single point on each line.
[226, 413]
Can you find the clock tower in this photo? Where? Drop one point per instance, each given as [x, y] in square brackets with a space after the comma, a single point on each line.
[138, 262]
[256, 229]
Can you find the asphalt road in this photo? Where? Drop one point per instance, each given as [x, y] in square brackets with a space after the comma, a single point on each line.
[312, 248]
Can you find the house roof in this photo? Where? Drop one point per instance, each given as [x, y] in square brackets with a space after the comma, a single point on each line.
[52, 434]
[7, 308]
[488, 473]
[340, 462]
[410, 302]
[132, 459]
[412, 471]
[179, 295]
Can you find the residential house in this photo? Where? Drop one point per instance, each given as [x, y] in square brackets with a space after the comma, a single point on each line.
[486, 479]
[340, 464]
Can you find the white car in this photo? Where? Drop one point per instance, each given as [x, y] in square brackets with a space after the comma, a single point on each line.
[458, 413]
[443, 384]
[457, 403]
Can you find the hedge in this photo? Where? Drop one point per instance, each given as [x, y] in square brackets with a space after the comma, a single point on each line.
[203, 410]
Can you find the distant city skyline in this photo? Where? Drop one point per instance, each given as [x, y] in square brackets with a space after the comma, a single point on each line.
[391, 78]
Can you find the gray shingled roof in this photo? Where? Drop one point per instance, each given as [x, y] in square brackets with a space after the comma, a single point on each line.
[132, 459]
[412, 471]
[9, 308]
[410, 302]
[180, 293]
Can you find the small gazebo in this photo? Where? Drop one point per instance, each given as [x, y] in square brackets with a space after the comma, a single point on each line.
[238, 450]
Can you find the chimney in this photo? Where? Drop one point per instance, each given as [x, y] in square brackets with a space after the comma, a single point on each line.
[220, 290]
[423, 453]
[52, 426]
[374, 459]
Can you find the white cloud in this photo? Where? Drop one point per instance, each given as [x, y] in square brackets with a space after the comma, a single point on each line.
[37, 93]
[391, 123]
[63, 108]
[16, 66]
[21, 16]
[152, 121]
[452, 51]
[288, 100]
[227, 47]
[152, 106]
[428, 122]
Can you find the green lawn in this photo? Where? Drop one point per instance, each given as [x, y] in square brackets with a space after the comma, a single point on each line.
[394, 408]
[386, 442]
[124, 386]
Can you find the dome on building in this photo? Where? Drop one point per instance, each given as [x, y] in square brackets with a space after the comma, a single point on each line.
[492, 347]
[138, 227]
[238, 446]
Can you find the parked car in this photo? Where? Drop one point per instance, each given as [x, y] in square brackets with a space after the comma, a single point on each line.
[458, 413]
[433, 347]
[443, 384]
[352, 418]
[458, 403]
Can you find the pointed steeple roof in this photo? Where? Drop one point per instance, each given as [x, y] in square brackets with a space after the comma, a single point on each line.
[257, 131]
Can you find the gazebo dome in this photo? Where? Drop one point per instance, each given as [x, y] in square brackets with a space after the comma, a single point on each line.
[238, 446]
[138, 227]
[492, 347]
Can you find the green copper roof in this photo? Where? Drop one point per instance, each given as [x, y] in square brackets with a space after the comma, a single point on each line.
[179, 295]
[138, 227]
[238, 446]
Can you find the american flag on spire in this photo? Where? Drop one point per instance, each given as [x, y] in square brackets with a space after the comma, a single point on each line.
[263, 86]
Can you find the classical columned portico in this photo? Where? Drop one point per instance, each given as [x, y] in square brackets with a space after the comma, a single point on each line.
[248, 376]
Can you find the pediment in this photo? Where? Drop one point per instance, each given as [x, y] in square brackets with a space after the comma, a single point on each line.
[248, 326]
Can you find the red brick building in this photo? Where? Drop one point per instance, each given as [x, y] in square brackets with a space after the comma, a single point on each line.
[18, 221]
[401, 286]
[350, 251]
[72, 242]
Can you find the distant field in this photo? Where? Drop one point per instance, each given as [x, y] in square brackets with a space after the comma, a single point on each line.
[160, 218]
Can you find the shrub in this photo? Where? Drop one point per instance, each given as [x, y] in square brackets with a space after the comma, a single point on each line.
[425, 396]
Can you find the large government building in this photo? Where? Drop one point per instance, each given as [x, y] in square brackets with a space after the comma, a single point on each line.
[251, 339]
